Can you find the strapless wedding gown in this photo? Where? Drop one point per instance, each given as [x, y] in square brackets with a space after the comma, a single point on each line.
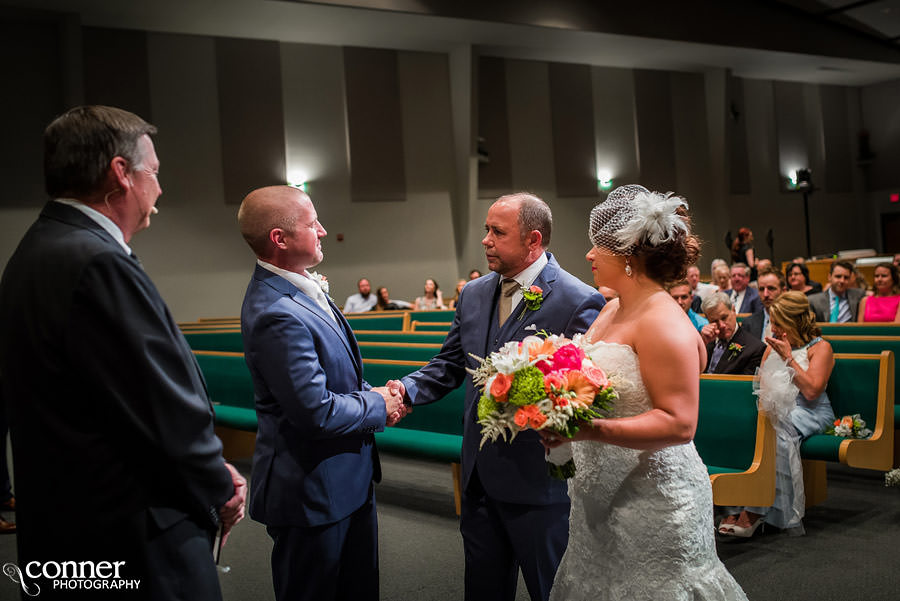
[641, 525]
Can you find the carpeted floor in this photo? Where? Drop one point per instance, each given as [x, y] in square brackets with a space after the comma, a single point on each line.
[850, 551]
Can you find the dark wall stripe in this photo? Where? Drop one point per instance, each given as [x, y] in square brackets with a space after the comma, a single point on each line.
[790, 128]
[736, 119]
[656, 138]
[495, 176]
[251, 118]
[572, 119]
[835, 129]
[116, 71]
[374, 124]
[30, 63]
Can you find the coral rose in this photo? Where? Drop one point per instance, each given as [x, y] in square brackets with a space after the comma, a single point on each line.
[596, 376]
[847, 421]
[500, 386]
[529, 415]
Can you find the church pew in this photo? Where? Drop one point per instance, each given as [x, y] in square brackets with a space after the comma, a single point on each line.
[445, 315]
[736, 442]
[400, 337]
[399, 351]
[861, 384]
[375, 321]
[431, 326]
[859, 329]
[215, 340]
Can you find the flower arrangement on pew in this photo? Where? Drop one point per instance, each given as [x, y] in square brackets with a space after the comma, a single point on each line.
[550, 382]
[892, 478]
[850, 426]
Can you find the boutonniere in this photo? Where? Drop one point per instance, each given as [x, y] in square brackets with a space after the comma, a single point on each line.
[533, 297]
[322, 281]
[735, 349]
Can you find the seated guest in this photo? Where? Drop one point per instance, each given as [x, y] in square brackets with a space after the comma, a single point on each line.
[884, 304]
[721, 278]
[730, 349]
[451, 304]
[432, 300]
[797, 278]
[771, 285]
[384, 302]
[797, 414]
[474, 274]
[763, 264]
[363, 300]
[840, 303]
[744, 298]
[699, 290]
[681, 292]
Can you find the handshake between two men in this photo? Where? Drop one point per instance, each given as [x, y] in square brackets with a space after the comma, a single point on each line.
[393, 393]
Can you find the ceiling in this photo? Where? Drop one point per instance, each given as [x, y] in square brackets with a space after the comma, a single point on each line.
[831, 42]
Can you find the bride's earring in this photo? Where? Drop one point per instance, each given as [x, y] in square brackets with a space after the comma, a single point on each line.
[628, 269]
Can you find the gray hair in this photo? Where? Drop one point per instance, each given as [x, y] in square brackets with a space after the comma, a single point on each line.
[80, 144]
[534, 214]
[743, 266]
[714, 300]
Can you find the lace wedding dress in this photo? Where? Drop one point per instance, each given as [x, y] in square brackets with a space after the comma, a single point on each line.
[641, 525]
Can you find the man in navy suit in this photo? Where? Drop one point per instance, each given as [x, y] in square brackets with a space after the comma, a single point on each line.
[744, 299]
[112, 430]
[729, 347]
[513, 514]
[315, 459]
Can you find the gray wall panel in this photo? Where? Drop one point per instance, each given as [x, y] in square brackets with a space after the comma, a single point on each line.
[495, 176]
[656, 144]
[838, 176]
[572, 118]
[108, 54]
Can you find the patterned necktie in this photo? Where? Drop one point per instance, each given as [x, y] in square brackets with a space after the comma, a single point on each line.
[717, 353]
[507, 289]
[835, 309]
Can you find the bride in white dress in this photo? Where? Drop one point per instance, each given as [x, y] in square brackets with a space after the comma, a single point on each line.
[641, 524]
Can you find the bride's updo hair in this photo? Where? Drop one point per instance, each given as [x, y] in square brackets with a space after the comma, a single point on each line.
[650, 226]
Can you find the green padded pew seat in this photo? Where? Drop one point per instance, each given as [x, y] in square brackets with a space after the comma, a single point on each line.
[859, 329]
[398, 351]
[402, 337]
[446, 315]
[735, 441]
[216, 340]
[431, 326]
[365, 321]
[862, 384]
[230, 388]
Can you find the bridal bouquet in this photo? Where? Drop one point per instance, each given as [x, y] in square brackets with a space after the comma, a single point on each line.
[540, 383]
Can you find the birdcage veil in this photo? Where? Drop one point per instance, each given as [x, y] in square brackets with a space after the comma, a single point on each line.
[631, 216]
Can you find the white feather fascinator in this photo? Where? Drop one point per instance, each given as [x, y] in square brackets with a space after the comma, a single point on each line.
[632, 215]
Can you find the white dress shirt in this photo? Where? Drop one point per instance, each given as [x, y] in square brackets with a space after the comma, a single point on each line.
[307, 286]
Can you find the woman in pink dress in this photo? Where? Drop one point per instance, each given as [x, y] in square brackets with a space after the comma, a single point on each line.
[884, 305]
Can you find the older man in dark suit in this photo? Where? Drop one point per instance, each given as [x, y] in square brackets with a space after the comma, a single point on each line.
[114, 453]
[730, 349]
[513, 514]
[744, 298]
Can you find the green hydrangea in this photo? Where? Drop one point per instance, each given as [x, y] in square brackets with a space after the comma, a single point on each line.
[486, 406]
[527, 387]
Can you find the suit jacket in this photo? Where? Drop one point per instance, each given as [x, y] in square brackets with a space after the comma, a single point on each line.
[111, 424]
[754, 324]
[744, 362]
[315, 455]
[517, 472]
[751, 303]
[821, 304]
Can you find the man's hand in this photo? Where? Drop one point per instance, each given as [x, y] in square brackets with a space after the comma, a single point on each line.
[393, 404]
[232, 511]
[709, 333]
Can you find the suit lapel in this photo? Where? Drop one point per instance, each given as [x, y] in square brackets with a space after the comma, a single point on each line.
[511, 329]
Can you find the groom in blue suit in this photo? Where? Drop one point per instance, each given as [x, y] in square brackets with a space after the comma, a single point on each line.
[315, 458]
[513, 514]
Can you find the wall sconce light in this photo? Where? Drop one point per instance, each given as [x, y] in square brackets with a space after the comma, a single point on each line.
[604, 180]
[297, 179]
[300, 186]
[803, 179]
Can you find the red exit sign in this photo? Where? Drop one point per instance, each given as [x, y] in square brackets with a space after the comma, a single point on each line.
[895, 197]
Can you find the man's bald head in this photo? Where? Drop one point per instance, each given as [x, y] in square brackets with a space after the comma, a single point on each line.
[266, 209]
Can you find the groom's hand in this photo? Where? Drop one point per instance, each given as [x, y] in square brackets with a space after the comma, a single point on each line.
[393, 404]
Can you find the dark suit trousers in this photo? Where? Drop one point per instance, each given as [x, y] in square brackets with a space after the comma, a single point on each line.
[336, 561]
[500, 537]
